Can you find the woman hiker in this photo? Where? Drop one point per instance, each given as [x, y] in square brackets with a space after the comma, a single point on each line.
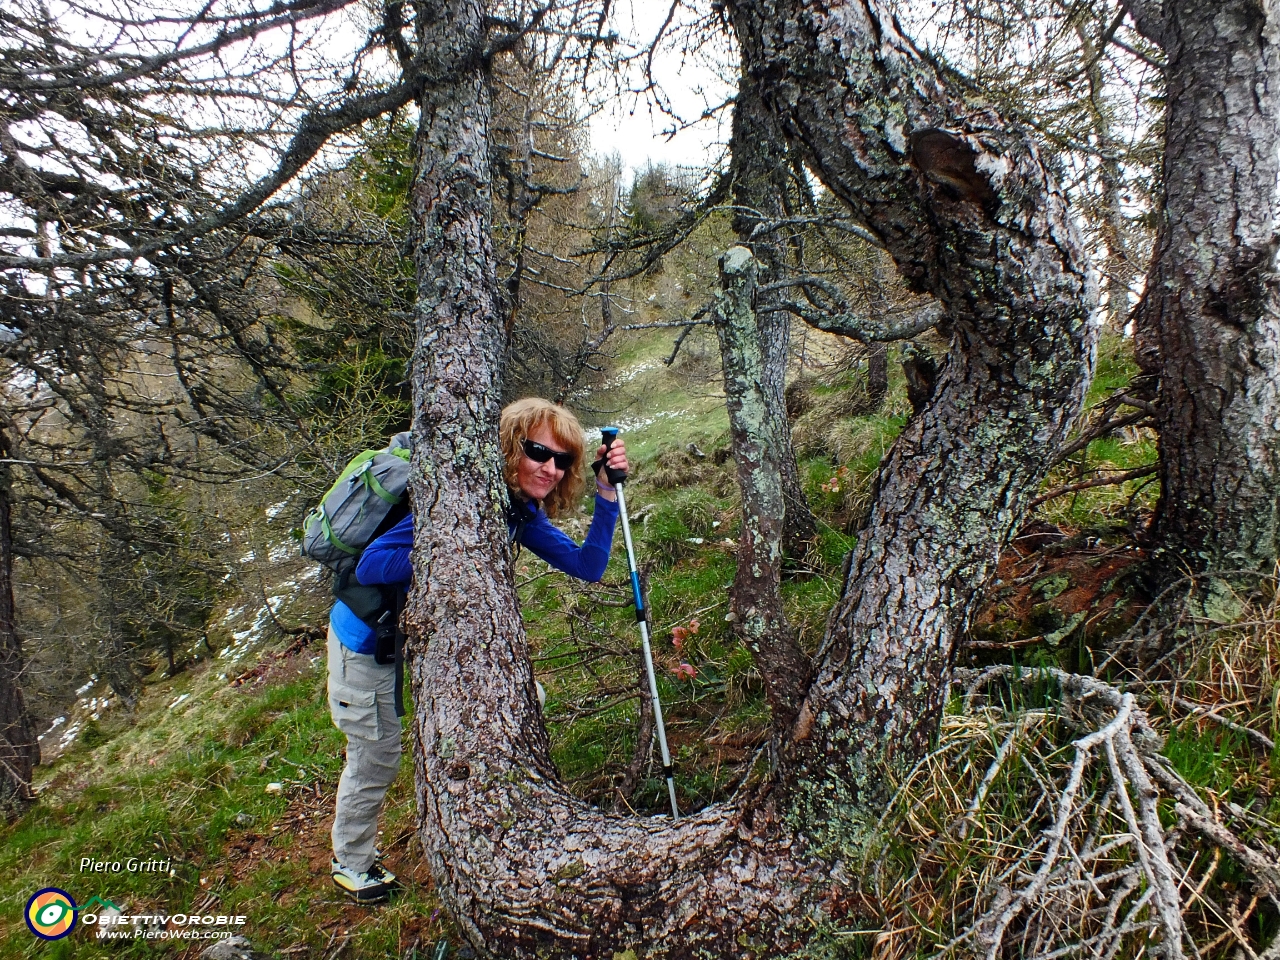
[543, 448]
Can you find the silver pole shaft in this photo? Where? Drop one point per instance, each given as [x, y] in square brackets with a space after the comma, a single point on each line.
[648, 653]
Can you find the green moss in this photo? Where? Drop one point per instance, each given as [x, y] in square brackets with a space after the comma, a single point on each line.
[1051, 586]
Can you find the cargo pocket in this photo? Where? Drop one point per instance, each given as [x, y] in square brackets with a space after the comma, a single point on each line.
[355, 712]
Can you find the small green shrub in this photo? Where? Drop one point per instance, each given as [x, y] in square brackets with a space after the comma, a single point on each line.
[93, 735]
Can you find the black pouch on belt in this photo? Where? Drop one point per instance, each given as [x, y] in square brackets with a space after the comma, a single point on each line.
[385, 629]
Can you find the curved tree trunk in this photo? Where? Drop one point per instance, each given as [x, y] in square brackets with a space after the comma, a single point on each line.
[972, 216]
[1212, 307]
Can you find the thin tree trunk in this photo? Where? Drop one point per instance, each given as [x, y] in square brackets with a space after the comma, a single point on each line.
[1113, 224]
[761, 175]
[524, 868]
[19, 750]
[877, 375]
[1212, 306]
[755, 599]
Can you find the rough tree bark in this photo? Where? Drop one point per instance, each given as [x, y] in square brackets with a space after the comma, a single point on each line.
[761, 174]
[1211, 313]
[521, 864]
[755, 598]
[971, 215]
[19, 751]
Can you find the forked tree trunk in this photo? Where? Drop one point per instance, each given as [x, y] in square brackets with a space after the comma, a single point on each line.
[972, 216]
[19, 751]
[1212, 306]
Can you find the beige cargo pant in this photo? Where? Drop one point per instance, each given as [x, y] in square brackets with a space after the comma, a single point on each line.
[362, 703]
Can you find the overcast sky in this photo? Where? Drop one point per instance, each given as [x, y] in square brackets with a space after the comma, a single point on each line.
[693, 83]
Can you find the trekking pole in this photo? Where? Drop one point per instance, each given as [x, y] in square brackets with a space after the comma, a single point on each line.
[617, 477]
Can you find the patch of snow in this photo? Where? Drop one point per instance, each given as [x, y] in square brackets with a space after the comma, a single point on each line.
[58, 721]
[636, 424]
[282, 551]
[69, 735]
[185, 696]
[242, 640]
[240, 636]
[274, 510]
[626, 376]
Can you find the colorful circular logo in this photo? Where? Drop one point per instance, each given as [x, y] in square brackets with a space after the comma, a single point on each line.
[51, 913]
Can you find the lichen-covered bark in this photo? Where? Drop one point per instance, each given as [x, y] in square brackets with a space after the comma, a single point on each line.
[755, 599]
[19, 751]
[1211, 309]
[761, 184]
[971, 215]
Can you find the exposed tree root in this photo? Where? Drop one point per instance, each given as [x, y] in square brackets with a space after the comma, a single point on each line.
[1054, 827]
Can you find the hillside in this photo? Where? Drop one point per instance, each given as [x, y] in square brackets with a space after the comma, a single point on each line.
[223, 778]
[227, 771]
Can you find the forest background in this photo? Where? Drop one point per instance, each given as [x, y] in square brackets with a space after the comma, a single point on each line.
[213, 292]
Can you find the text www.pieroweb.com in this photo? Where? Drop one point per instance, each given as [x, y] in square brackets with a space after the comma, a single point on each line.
[143, 933]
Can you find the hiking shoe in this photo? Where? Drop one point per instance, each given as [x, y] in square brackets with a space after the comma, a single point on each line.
[373, 886]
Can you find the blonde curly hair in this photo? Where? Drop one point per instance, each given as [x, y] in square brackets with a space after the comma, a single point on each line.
[523, 417]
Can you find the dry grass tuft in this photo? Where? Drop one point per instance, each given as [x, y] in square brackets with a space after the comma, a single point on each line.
[1048, 823]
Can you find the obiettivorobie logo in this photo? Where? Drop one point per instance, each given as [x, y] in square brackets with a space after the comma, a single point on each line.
[51, 913]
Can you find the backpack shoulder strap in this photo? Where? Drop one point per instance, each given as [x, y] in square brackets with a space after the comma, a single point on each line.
[397, 609]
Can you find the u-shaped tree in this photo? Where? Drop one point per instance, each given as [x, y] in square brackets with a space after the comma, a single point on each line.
[967, 208]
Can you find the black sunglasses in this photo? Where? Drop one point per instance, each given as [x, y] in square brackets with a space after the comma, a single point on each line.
[540, 454]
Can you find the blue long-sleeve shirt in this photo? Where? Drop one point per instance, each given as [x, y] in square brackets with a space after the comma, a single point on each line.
[386, 560]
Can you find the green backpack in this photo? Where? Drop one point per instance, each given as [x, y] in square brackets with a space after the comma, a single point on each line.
[366, 500]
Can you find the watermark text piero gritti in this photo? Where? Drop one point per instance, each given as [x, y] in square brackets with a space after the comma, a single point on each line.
[131, 865]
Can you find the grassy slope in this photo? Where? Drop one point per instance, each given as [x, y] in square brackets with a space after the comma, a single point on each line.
[189, 780]
[190, 784]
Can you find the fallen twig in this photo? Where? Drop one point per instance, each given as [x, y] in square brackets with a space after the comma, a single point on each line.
[1113, 479]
